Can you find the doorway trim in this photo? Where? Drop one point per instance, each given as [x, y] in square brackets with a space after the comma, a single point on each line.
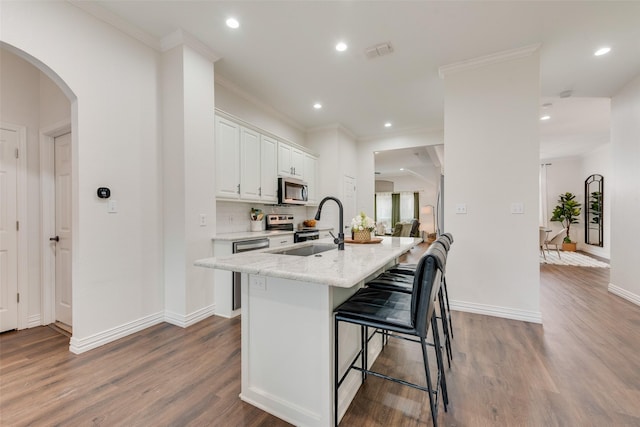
[47, 220]
[21, 215]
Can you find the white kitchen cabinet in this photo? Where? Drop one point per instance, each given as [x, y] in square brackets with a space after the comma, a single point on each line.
[282, 240]
[290, 160]
[246, 163]
[250, 163]
[268, 169]
[311, 176]
[227, 158]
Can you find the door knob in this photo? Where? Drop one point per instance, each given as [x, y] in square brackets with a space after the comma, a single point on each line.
[54, 239]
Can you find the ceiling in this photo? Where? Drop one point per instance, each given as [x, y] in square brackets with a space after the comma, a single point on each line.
[283, 54]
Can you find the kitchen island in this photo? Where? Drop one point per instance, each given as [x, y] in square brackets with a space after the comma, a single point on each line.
[287, 324]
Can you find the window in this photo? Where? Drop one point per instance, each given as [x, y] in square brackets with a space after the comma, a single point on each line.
[383, 209]
[395, 207]
[406, 206]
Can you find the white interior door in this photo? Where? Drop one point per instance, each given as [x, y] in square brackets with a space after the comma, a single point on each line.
[62, 240]
[8, 230]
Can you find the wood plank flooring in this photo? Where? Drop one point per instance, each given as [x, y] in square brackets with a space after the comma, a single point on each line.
[582, 368]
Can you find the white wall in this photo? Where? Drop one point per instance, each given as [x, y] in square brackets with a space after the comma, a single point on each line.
[236, 102]
[568, 175]
[625, 192]
[338, 158]
[491, 160]
[117, 264]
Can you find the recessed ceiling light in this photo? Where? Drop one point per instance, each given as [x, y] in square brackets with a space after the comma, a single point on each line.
[317, 106]
[387, 125]
[341, 47]
[233, 23]
[545, 117]
[602, 51]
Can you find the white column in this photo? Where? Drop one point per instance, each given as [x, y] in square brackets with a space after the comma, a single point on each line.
[625, 194]
[188, 177]
[491, 166]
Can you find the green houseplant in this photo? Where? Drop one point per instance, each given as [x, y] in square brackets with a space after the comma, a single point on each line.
[567, 212]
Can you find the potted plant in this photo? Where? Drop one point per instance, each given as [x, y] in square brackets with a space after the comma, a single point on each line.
[567, 212]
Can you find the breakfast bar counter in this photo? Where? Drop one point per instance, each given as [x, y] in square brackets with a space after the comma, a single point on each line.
[287, 322]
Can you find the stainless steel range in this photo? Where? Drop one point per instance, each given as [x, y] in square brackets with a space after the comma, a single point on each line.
[285, 222]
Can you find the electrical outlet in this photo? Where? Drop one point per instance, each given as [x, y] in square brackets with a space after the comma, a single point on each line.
[258, 282]
[461, 208]
[203, 220]
[112, 206]
[517, 208]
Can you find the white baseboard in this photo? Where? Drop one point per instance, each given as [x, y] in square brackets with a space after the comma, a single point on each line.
[185, 321]
[496, 311]
[80, 345]
[34, 321]
[623, 293]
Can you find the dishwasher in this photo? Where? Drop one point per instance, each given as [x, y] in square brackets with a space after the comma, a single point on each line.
[239, 247]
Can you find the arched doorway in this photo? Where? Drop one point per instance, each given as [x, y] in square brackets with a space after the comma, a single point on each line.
[41, 104]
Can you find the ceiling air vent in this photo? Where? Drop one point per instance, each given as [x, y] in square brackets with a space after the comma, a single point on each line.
[378, 50]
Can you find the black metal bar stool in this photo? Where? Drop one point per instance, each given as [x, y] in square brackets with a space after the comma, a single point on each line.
[399, 315]
[403, 283]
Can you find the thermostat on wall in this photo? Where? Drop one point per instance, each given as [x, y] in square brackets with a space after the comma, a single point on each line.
[104, 193]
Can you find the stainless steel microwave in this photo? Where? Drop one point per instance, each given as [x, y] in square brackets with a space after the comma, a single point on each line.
[292, 191]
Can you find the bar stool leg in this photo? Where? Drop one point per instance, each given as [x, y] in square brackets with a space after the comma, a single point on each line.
[445, 327]
[335, 372]
[446, 295]
[434, 415]
[440, 362]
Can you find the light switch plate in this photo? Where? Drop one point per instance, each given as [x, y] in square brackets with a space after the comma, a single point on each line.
[112, 206]
[461, 208]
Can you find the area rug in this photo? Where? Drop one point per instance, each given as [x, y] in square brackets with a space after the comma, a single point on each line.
[572, 258]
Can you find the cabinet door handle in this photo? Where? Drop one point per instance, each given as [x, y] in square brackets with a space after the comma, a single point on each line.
[260, 191]
[238, 188]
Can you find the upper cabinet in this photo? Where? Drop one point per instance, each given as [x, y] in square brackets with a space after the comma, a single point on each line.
[290, 160]
[248, 163]
[227, 159]
[268, 169]
[311, 177]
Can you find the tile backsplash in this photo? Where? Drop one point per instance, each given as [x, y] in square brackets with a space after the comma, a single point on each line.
[232, 217]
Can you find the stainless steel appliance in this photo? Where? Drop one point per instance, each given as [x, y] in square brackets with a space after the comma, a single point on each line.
[285, 222]
[306, 234]
[292, 191]
[238, 247]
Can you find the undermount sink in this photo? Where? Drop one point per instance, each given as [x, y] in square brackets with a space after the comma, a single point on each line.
[307, 250]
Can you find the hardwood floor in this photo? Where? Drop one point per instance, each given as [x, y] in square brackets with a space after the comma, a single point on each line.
[582, 368]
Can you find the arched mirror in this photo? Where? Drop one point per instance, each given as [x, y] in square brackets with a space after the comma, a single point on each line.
[593, 196]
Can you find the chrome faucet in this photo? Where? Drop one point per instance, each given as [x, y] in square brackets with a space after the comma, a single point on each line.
[340, 239]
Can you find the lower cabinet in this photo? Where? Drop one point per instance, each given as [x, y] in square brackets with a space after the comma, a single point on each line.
[277, 241]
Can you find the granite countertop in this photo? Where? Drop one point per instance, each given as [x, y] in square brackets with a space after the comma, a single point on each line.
[333, 268]
[250, 235]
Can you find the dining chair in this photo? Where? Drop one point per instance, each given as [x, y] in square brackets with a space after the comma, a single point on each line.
[556, 241]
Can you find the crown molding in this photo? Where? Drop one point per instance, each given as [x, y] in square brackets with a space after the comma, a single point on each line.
[334, 126]
[181, 37]
[257, 102]
[494, 58]
[117, 22]
[402, 132]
